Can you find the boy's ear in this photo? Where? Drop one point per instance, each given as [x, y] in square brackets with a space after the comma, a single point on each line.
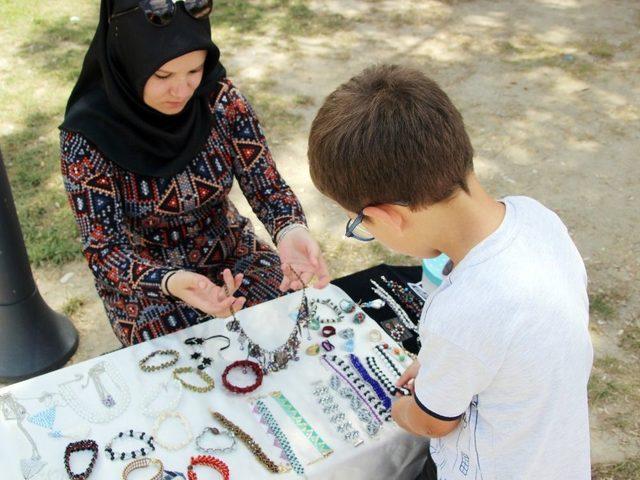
[389, 215]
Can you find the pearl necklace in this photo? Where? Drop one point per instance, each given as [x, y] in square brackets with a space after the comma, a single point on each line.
[112, 408]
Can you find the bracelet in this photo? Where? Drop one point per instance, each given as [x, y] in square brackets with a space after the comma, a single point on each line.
[384, 380]
[328, 331]
[281, 439]
[380, 350]
[245, 364]
[152, 368]
[251, 444]
[134, 453]
[80, 446]
[208, 461]
[143, 463]
[354, 380]
[200, 373]
[372, 424]
[153, 395]
[307, 430]
[338, 419]
[164, 284]
[183, 421]
[377, 388]
[284, 230]
[315, 318]
[216, 432]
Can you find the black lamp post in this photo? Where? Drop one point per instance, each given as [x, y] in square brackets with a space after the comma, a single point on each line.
[33, 338]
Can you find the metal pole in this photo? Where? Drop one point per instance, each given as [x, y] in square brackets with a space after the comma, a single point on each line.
[33, 338]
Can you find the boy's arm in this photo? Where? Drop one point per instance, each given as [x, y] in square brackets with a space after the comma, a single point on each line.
[409, 416]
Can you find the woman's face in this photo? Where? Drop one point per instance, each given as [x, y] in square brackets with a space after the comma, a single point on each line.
[169, 89]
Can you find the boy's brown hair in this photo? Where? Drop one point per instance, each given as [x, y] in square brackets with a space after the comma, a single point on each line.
[389, 135]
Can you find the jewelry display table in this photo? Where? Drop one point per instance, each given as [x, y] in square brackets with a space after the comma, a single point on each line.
[99, 398]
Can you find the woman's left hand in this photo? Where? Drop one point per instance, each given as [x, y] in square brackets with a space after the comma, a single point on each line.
[300, 255]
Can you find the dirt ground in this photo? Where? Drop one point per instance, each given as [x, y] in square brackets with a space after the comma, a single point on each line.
[550, 92]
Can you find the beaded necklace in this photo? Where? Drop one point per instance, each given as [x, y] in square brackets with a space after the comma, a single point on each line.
[409, 299]
[113, 407]
[375, 386]
[395, 306]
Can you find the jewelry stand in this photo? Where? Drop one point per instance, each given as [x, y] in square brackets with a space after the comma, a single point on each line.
[33, 338]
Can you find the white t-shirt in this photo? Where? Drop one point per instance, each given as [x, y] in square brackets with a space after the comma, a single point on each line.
[505, 345]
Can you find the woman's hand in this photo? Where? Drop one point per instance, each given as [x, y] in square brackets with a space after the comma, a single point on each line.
[201, 293]
[407, 379]
[301, 255]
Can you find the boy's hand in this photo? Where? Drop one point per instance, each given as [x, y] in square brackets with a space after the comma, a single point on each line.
[406, 380]
[201, 293]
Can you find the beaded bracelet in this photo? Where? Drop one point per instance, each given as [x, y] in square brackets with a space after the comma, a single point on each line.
[371, 422]
[364, 374]
[251, 444]
[153, 368]
[269, 420]
[80, 446]
[306, 429]
[380, 350]
[360, 391]
[200, 373]
[245, 364]
[379, 374]
[216, 432]
[338, 419]
[208, 461]
[134, 453]
[154, 394]
[144, 463]
[163, 417]
[357, 383]
[339, 315]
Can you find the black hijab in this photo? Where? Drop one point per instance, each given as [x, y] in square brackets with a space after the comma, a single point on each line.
[106, 105]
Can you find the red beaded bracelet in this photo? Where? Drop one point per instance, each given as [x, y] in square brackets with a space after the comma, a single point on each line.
[257, 370]
[208, 461]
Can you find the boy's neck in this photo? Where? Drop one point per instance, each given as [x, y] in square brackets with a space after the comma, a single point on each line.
[466, 220]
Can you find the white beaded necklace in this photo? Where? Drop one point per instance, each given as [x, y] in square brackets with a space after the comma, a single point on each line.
[112, 407]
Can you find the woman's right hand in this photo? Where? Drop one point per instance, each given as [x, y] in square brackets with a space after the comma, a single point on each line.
[201, 293]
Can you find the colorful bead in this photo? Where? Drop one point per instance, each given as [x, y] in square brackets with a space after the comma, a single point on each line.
[313, 349]
[359, 318]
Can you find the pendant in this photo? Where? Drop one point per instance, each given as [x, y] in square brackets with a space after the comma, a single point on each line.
[31, 466]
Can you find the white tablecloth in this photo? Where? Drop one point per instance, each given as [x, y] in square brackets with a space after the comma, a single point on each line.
[393, 455]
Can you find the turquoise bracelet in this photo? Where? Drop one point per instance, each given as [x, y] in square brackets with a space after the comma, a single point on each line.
[282, 439]
[307, 430]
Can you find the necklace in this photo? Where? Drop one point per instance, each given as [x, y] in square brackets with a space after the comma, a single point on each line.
[395, 306]
[12, 410]
[111, 408]
[277, 359]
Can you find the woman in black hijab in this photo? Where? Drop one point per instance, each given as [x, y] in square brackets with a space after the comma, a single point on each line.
[153, 136]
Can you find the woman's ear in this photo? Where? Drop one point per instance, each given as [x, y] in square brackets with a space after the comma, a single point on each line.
[388, 215]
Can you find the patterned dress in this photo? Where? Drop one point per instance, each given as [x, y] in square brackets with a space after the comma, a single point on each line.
[136, 228]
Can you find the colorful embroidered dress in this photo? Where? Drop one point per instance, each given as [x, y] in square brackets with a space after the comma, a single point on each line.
[136, 228]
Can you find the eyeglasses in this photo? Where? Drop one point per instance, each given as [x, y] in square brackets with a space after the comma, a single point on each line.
[356, 230]
[161, 12]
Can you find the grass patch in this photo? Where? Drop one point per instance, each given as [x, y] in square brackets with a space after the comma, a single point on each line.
[604, 383]
[630, 339]
[72, 306]
[600, 48]
[600, 304]
[626, 470]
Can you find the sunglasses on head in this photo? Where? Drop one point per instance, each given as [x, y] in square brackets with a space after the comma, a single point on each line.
[161, 12]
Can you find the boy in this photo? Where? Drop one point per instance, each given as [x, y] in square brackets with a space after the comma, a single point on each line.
[500, 383]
